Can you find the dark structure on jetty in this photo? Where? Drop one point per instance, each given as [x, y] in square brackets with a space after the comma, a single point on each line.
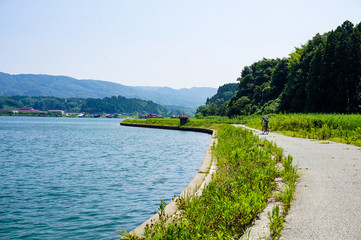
[183, 119]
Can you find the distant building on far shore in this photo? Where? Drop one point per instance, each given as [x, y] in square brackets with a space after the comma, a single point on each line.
[151, 115]
[30, 110]
[57, 111]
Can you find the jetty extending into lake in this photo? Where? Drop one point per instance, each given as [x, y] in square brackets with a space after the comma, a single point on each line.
[179, 128]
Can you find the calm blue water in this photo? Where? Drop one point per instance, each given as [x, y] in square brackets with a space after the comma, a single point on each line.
[64, 178]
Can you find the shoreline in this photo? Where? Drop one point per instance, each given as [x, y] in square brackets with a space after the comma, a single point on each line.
[200, 180]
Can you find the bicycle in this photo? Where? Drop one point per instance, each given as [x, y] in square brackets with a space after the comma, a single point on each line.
[265, 130]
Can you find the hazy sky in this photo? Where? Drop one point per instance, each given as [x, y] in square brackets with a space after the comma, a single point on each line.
[175, 43]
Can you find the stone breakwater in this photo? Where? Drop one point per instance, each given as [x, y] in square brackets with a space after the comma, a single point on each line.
[200, 180]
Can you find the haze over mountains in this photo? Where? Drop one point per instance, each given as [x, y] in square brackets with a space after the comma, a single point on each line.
[66, 87]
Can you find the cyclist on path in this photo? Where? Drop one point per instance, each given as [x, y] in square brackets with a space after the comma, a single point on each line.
[265, 121]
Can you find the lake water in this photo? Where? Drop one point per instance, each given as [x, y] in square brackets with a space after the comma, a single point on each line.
[67, 178]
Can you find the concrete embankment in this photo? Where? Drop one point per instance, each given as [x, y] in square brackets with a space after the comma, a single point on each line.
[200, 180]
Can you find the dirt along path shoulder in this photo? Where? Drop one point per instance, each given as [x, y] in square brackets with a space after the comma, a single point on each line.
[327, 202]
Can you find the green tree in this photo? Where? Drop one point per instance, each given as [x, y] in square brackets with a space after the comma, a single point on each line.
[355, 74]
[255, 88]
[279, 78]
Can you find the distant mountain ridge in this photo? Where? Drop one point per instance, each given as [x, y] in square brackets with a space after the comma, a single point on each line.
[66, 87]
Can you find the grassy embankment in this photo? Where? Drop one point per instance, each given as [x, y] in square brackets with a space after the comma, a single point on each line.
[344, 128]
[247, 167]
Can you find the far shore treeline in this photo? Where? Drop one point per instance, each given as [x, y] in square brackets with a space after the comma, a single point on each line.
[109, 105]
[321, 76]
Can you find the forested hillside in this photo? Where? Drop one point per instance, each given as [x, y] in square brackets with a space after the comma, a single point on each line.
[89, 105]
[323, 75]
[224, 93]
[37, 85]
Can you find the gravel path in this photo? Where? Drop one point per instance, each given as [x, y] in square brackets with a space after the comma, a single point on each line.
[327, 202]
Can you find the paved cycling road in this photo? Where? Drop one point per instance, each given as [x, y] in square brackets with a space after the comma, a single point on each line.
[327, 202]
